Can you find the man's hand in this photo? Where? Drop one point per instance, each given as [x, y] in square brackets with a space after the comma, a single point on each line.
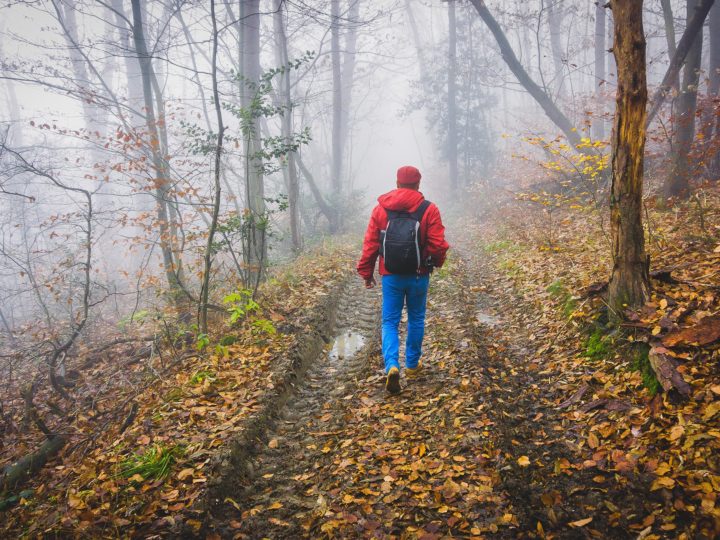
[370, 283]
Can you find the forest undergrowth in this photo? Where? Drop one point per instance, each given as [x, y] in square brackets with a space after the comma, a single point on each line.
[621, 426]
[141, 453]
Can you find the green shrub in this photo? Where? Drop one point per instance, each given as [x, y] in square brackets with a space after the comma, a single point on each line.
[153, 464]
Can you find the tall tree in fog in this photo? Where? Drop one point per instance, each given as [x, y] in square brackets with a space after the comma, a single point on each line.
[629, 282]
[343, 61]
[538, 94]
[250, 71]
[172, 260]
[217, 165]
[452, 142]
[598, 127]
[712, 116]
[290, 171]
[677, 181]
[337, 101]
[556, 13]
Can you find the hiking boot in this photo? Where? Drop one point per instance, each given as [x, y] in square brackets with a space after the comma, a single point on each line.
[411, 373]
[392, 384]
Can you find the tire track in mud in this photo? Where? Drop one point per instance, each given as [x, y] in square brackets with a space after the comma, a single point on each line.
[277, 474]
[551, 493]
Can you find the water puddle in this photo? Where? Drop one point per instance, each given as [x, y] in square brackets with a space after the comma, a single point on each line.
[487, 319]
[346, 344]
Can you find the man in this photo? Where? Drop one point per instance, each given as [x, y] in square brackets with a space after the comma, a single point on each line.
[405, 269]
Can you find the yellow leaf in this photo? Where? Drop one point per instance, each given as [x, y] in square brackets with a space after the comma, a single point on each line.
[580, 522]
[275, 505]
[182, 475]
[676, 432]
[273, 443]
[656, 330]
[711, 410]
[593, 441]
[663, 304]
[523, 461]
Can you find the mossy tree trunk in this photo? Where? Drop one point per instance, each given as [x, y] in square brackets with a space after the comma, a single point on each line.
[629, 283]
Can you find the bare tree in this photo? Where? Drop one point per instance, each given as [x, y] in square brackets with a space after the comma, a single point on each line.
[452, 139]
[209, 248]
[599, 123]
[677, 181]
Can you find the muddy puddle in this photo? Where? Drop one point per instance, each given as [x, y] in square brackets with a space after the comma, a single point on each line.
[346, 344]
[487, 319]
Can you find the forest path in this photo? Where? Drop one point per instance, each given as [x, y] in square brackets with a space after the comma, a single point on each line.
[475, 447]
[347, 460]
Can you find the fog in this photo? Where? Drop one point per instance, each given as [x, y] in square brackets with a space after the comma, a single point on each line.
[109, 170]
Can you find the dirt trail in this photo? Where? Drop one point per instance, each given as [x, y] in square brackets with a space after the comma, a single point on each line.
[347, 460]
[475, 447]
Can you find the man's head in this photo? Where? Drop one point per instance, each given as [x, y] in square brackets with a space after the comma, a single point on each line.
[408, 177]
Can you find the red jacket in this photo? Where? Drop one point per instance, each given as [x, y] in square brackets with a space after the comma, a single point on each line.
[432, 231]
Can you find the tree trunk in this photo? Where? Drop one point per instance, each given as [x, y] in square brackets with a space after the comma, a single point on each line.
[337, 103]
[205, 291]
[452, 144]
[347, 78]
[256, 248]
[713, 117]
[693, 28]
[161, 181]
[678, 180]
[598, 128]
[135, 116]
[293, 184]
[547, 104]
[669, 27]
[629, 285]
[555, 18]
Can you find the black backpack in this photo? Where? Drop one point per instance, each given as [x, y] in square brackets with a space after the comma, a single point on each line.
[400, 244]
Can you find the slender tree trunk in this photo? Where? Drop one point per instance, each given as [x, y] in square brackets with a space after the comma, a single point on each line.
[347, 79]
[678, 180]
[337, 102]
[629, 283]
[712, 118]
[133, 75]
[205, 292]
[669, 27]
[161, 181]
[598, 127]
[256, 252]
[293, 184]
[555, 18]
[452, 142]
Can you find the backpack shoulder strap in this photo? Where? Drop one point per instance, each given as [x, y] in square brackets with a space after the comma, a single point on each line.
[420, 212]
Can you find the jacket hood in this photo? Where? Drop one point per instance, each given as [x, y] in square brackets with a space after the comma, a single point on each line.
[401, 200]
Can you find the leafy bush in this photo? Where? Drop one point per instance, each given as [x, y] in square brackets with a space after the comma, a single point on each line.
[241, 303]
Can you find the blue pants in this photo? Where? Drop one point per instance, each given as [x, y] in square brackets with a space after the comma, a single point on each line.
[398, 291]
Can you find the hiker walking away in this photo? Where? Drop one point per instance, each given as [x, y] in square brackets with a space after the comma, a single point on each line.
[407, 233]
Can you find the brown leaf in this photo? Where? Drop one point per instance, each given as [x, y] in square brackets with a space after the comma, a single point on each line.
[707, 331]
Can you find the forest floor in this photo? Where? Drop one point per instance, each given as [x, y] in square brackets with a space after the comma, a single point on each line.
[532, 417]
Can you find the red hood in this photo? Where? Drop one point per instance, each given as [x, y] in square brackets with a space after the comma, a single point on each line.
[401, 200]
